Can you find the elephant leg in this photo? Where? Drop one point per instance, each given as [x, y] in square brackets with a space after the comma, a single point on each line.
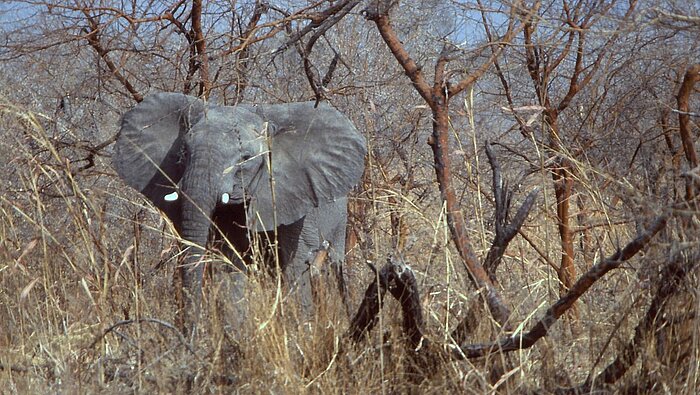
[296, 242]
[332, 223]
[236, 291]
[299, 240]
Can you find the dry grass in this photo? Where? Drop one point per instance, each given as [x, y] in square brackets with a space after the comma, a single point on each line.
[86, 300]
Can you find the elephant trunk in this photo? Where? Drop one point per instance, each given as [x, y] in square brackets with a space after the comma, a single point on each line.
[201, 187]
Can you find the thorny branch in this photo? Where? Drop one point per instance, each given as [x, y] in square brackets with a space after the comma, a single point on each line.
[92, 35]
[554, 312]
[399, 280]
[437, 97]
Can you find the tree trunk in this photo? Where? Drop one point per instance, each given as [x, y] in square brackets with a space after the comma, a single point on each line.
[563, 189]
[439, 142]
[692, 76]
[563, 179]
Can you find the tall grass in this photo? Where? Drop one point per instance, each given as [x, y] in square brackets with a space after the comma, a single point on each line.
[87, 305]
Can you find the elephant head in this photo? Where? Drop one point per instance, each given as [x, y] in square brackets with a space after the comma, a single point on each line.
[187, 156]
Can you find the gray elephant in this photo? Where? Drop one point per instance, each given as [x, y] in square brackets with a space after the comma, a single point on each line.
[228, 173]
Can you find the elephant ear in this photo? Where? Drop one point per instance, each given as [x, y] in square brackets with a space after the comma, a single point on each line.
[315, 155]
[149, 153]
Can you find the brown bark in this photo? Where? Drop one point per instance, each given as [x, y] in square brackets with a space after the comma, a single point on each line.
[692, 76]
[563, 180]
[410, 67]
[455, 220]
[437, 97]
[563, 189]
[200, 46]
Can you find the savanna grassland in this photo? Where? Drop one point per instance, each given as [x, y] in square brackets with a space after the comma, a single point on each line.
[533, 163]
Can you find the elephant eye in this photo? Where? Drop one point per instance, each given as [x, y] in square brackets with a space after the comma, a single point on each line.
[245, 157]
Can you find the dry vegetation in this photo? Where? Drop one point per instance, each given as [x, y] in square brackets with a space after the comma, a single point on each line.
[595, 105]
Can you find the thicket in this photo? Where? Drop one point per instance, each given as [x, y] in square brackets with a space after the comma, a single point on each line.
[532, 180]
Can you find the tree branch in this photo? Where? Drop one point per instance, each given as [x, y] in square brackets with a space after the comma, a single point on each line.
[554, 312]
[438, 97]
[505, 232]
[93, 38]
[320, 22]
[367, 314]
[669, 284]
[412, 70]
[200, 46]
[476, 74]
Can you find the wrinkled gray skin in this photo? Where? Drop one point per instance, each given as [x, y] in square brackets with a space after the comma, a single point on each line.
[171, 142]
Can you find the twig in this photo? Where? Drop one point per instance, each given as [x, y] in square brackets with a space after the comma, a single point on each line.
[320, 23]
[538, 250]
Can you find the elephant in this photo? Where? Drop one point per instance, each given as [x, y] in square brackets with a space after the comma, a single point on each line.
[228, 173]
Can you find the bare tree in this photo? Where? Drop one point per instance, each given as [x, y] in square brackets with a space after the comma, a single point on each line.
[437, 96]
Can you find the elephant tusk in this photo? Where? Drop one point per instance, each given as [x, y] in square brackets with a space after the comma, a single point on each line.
[171, 197]
[224, 198]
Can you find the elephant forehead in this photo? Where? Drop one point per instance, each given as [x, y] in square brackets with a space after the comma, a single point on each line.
[230, 123]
